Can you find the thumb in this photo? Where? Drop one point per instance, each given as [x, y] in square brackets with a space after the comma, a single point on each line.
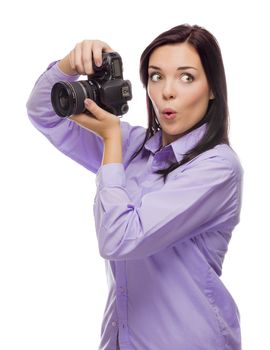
[94, 109]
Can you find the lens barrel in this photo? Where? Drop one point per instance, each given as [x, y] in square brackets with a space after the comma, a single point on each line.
[68, 97]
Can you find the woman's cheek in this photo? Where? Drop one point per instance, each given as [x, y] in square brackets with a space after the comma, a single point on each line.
[197, 98]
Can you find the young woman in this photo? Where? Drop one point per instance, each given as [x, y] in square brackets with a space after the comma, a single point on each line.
[168, 197]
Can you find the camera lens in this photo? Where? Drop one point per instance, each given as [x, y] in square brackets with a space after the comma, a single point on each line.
[63, 99]
[68, 98]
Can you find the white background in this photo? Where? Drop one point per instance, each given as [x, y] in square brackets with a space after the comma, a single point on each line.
[52, 280]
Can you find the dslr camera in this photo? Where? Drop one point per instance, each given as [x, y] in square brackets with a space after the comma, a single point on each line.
[105, 86]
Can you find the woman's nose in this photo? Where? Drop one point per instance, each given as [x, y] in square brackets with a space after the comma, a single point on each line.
[169, 91]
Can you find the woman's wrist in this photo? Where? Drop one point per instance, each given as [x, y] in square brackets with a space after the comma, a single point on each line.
[65, 67]
[113, 149]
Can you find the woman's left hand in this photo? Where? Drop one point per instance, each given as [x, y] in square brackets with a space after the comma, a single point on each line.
[101, 122]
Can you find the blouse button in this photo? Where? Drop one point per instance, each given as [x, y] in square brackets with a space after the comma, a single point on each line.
[113, 323]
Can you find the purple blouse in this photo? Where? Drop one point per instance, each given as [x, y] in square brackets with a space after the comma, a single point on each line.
[163, 244]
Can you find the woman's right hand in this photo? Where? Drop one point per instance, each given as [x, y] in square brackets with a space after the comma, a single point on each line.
[79, 60]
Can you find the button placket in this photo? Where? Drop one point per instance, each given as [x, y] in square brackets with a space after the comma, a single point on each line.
[122, 291]
[122, 300]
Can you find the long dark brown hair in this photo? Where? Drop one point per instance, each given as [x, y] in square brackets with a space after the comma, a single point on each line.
[216, 116]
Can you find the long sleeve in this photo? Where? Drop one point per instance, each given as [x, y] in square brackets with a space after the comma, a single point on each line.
[78, 143]
[204, 196]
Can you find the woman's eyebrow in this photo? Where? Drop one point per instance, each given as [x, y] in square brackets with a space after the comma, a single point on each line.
[154, 67]
[178, 68]
[186, 67]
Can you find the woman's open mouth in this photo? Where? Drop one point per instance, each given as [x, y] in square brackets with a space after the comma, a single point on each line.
[169, 113]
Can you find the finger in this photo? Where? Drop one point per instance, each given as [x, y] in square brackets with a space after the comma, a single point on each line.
[106, 47]
[94, 109]
[87, 57]
[97, 55]
[98, 48]
[78, 59]
[88, 122]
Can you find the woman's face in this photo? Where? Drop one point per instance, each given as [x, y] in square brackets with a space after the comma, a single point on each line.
[178, 89]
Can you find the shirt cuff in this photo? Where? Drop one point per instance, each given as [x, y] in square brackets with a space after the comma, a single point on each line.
[111, 175]
[54, 74]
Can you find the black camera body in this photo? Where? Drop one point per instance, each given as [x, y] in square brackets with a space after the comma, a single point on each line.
[105, 86]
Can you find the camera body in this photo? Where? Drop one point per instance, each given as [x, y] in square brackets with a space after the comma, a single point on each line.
[105, 86]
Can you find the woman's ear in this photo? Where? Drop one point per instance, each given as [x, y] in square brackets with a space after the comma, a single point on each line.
[211, 95]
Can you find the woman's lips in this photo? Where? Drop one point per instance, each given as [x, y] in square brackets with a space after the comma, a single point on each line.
[169, 116]
[168, 113]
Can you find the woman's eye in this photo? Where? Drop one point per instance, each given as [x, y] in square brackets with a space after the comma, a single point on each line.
[187, 78]
[155, 76]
